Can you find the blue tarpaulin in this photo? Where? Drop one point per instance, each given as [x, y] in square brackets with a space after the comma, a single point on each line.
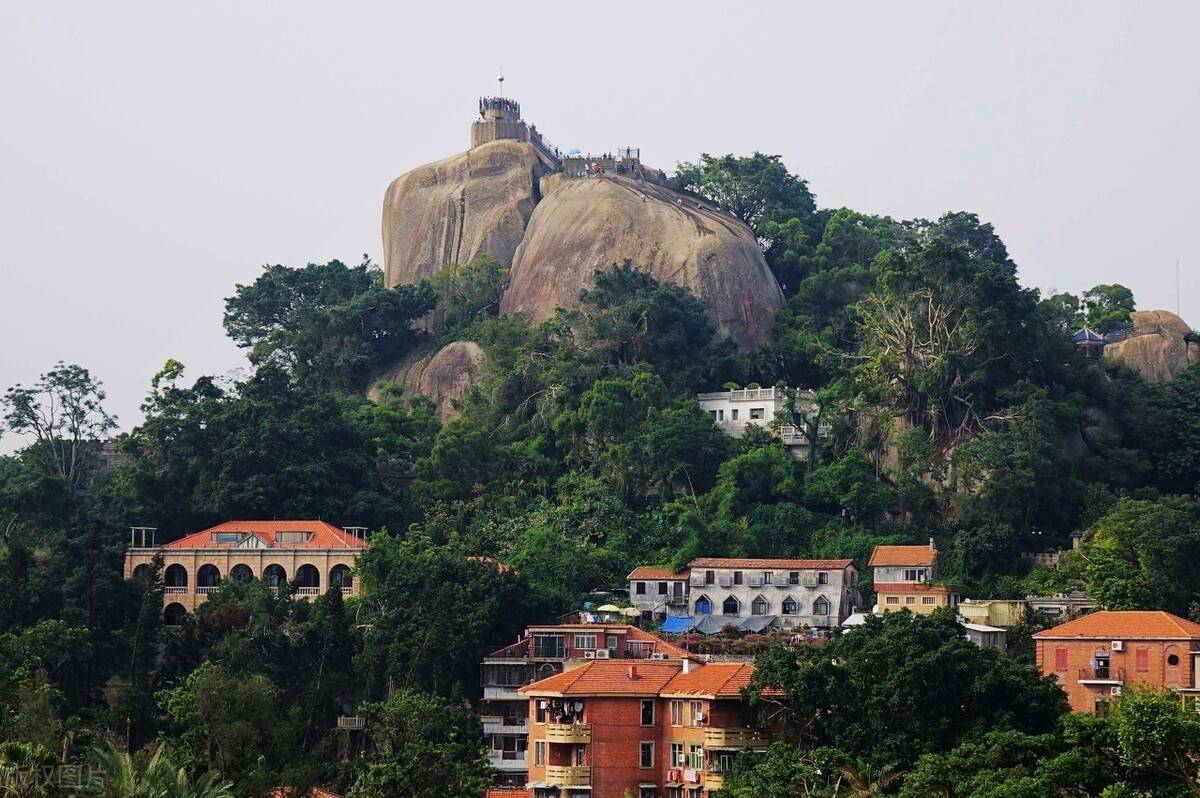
[675, 624]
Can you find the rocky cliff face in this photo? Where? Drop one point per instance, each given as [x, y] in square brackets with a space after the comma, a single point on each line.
[444, 375]
[593, 223]
[450, 211]
[1158, 349]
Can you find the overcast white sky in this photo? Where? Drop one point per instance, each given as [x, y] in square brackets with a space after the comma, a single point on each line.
[154, 154]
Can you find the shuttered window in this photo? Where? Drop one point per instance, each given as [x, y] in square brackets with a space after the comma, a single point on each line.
[1060, 659]
[1142, 657]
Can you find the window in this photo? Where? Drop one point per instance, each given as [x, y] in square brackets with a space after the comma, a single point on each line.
[647, 754]
[539, 714]
[710, 577]
[647, 713]
[695, 756]
[703, 606]
[677, 760]
[676, 713]
[539, 752]
[768, 577]
[733, 414]
[640, 588]
[585, 641]
[1142, 660]
[793, 577]
[821, 606]
[731, 606]
[910, 599]
[758, 606]
[697, 713]
[757, 412]
[790, 607]
[677, 792]
[914, 574]
[737, 577]
[720, 415]
[823, 578]
[928, 600]
[892, 600]
[1173, 660]
[226, 537]
[1060, 659]
[580, 755]
[662, 588]
[292, 537]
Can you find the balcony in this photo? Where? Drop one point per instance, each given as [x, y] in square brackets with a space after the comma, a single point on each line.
[568, 775]
[351, 722]
[308, 591]
[734, 738]
[1104, 675]
[508, 760]
[577, 733]
[205, 590]
[714, 779]
[495, 724]
[175, 590]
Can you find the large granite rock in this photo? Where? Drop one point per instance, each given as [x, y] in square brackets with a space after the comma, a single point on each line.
[1158, 348]
[586, 224]
[444, 376]
[450, 211]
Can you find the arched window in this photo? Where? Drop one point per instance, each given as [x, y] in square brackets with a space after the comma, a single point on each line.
[175, 576]
[703, 606]
[141, 572]
[173, 614]
[208, 576]
[759, 606]
[821, 606]
[240, 573]
[790, 607]
[274, 575]
[731, 606]
[307, 576]
[340, 577]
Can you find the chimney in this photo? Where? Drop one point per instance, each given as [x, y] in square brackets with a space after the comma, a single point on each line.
[932, 545]
[633, 672]
[687, 665]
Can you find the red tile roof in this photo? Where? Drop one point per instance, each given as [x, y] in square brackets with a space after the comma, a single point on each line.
[650, 572]
[718, 680]
[324, 536]
[903, 555]
[913, 587]
[607, 677]
[733, 562]
[1124, 625]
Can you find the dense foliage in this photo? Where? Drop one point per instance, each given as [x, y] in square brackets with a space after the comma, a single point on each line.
[956, 408]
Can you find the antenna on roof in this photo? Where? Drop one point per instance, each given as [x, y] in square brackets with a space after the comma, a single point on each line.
[500, 80]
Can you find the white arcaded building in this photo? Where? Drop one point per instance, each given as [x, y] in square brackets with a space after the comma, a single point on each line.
[735, 410]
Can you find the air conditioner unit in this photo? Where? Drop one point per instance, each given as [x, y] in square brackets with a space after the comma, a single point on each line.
[1115, 690]
[590, 654]
[1118, 645]
[602, 653]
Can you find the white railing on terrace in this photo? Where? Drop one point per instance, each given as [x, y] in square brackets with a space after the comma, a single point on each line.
[346, 591]
[351, 722]
[175, 590]
[308, 591]
[744, 394]
[204, 590]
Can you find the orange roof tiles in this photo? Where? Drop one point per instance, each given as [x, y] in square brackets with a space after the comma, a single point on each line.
[913, 587]
[903, 555]
[717, 680]
[324, 536]
[650, 572]
[1124, 625]
[733, 562]
[607, 678]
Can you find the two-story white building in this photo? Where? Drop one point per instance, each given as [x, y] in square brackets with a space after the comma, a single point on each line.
[736, 410]
[765, 593]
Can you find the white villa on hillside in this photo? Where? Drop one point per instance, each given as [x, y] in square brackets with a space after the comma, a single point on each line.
[735, 410]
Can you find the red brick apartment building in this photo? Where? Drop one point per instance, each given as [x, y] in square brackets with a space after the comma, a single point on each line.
[654, 728]
[1097, 656]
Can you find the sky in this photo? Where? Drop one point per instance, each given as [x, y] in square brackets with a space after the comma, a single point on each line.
[154, 155]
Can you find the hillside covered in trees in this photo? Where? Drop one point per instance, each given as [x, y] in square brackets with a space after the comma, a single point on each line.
[959, 410]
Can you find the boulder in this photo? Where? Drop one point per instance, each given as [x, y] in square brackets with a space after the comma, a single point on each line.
[452, 210]
[444, 376]
[1158, 348]
[582, 225]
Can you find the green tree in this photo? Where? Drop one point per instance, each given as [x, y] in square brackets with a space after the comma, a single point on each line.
[1107, 306]
[155, 776]
[424, 747]
[329, 324]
